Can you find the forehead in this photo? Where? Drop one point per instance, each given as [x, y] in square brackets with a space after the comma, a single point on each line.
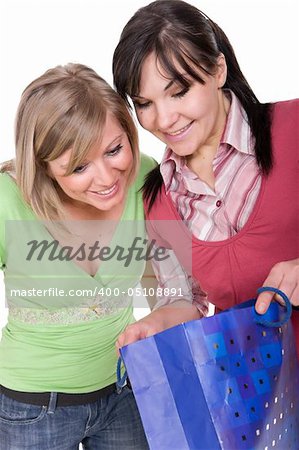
[166, 72]
[160, 74]
[111, 130]
[110, 133]
[152, 74]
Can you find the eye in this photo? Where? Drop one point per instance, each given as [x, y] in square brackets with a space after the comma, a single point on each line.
[80, 169]
[139, 105]
[114, 151]
[181, 93]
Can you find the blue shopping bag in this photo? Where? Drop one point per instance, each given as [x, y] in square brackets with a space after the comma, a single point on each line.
[222, 382]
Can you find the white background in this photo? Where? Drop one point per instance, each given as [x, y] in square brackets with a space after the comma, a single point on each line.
[38, 34]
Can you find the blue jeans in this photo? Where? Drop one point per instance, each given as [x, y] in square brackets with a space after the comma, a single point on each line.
[111, 423]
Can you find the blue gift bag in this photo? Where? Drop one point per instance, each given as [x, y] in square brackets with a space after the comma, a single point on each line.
[222, 382]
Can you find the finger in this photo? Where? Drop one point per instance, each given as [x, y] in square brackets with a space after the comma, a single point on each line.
[263, 302]
[123, 339]
[279, 298]
[150, 332]
[131, 334]
[264, 299]
[295, 296]
[287, 286]
[292, 292]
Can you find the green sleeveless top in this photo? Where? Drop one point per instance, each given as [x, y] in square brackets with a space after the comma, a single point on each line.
[63, 323]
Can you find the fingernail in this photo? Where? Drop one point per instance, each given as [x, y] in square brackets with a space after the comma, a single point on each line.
[262, 307]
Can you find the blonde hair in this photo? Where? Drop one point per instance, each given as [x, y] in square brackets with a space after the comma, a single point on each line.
[64, 108]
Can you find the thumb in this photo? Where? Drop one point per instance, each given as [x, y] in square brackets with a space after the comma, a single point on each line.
[263, 302]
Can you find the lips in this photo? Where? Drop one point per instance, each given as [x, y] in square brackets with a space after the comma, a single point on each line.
[107, 192]
[178, 134]
[175, 133]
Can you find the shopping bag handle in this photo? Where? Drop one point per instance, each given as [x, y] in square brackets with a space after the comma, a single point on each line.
[121, 379]
[260, 318]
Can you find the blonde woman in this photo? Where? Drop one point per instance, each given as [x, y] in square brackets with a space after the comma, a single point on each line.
[72, 191]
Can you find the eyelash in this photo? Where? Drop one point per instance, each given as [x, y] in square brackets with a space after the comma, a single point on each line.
[110, 153]
[141, 105]
[80, 169]
[180, 94]
[115, 150]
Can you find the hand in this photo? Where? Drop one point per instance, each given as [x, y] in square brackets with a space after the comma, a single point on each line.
[139, 330]
[284, 276]
[160, 319]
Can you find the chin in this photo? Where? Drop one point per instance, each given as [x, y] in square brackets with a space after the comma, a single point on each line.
[114, 204]
[182, 152]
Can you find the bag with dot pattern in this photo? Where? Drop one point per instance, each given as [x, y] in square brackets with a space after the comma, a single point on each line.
[230, 381]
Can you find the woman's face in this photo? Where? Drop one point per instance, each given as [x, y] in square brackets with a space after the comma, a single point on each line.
[101, 180]
[186, 119]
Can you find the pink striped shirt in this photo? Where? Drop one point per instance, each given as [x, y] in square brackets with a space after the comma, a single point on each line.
[220, 214]
[211, 215]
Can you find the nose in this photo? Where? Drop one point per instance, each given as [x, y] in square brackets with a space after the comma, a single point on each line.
[104, 175]
[166, 117]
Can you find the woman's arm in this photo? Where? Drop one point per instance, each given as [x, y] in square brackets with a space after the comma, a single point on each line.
[149, 284]
[179, 299]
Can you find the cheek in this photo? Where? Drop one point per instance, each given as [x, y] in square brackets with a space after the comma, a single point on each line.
[126, 160]
[65, 185]
[197, 109]
[72, 186]
[145, 119]
[129, 161]
[202, 103]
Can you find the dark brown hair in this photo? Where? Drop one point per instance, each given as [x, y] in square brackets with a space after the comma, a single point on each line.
[179, 32]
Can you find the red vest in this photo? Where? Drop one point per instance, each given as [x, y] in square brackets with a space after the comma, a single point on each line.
[231, 271]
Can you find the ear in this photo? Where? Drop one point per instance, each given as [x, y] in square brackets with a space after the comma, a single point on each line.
[221, 70]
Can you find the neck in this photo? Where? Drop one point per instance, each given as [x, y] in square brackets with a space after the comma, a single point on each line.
[201, 162]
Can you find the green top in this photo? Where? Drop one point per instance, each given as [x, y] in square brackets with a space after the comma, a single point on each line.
[65, 343]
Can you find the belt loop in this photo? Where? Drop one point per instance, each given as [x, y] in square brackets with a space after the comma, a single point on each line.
[52, 403]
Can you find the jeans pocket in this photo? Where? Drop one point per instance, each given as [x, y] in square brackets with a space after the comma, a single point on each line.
[17, 413]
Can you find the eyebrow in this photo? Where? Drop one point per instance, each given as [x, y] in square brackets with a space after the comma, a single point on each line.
[171, 82]
[116, 138]
[65, 166]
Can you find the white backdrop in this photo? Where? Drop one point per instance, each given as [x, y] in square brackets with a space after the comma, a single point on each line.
[38, 34]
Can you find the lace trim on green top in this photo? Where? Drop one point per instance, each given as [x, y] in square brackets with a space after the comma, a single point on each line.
[91, 310]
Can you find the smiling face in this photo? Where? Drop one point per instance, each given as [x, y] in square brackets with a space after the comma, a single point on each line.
[100, 182]
[187, 119]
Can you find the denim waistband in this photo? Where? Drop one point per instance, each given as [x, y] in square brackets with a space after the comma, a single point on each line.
[63, 399]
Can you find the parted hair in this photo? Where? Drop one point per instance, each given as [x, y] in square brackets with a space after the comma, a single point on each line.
[185, 39]
[63, 109]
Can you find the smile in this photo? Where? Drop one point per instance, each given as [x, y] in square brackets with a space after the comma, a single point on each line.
[107, 192]
[179, 133]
